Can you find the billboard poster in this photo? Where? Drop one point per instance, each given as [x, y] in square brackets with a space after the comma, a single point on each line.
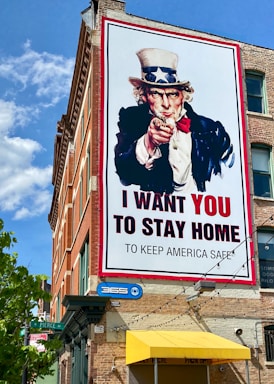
[174, 169]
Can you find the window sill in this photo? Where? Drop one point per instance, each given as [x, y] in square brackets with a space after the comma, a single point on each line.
[262, 115]
[266, 290]
[263, 198]
[269, 363]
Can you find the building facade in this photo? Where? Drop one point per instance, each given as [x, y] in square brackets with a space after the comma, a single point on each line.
[190, 293]
[43, 306]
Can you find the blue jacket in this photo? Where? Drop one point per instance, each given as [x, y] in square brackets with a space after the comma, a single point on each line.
[211, 147]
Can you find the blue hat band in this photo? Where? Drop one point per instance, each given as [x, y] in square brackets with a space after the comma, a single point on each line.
[160, 75]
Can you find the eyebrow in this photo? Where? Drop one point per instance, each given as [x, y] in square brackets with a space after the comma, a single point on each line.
[163, 93]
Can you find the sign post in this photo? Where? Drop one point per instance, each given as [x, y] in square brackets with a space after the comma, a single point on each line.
[26, 343]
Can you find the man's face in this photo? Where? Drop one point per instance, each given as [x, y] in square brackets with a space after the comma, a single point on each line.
[165, 102]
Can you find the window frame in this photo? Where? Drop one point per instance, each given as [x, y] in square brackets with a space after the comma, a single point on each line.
[58, 306]
[256, 75]
[81, 197]
[88, 171]
[262, 173]
[84, 268]
[265, 260]
[89, 97]
[82, 127]
[269, 342]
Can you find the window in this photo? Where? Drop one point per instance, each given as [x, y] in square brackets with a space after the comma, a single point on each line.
[269, 342]
[261, 171]
[81, 197]
[82, 127]
[58, 307]
[89, 97]
[266, 258]
[88, 171]
[73, 220]
[84, 273]
[71, 290]
[255, 92]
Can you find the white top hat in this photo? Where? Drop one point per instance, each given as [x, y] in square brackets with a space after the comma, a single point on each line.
[159, 68]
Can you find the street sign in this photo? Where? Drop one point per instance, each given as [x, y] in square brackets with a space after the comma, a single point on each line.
[47, 325]
[34, 341]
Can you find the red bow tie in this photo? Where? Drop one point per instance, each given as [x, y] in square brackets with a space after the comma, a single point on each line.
[184, 125]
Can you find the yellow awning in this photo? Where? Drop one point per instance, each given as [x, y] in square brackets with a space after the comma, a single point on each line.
[142, 345]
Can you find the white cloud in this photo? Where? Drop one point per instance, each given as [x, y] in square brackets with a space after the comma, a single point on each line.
[24, 187]
[12, 115]
[49, 74]
[41, 80]
[41, 203]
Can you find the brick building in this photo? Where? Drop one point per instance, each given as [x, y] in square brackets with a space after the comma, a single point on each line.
[43, 306]
[144, 324]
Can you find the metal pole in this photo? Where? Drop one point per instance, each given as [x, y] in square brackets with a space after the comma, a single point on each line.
[26, 342]
[208, 375]
[155, 370]
[247, 372]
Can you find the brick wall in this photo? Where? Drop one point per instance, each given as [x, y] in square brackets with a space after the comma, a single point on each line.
[164, 304]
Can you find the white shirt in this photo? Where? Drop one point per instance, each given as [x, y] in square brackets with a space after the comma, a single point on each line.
[180, 146]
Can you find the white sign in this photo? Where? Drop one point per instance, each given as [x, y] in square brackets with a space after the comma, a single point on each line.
[203, 232]
[34, 339]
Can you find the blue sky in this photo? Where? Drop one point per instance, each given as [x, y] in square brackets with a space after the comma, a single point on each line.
[37, 54]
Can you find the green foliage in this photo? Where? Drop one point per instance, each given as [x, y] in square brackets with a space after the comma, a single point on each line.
[19, 295]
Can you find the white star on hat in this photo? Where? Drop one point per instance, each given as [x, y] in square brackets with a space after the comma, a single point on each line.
[160, 75]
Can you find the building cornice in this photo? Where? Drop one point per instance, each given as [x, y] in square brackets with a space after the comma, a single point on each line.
[66, 127]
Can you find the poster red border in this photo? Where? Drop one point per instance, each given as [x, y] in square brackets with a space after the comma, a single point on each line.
[248, 214]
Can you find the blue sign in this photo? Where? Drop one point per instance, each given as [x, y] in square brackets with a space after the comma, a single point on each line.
[120, 290]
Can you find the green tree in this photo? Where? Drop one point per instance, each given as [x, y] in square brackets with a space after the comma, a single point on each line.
[19, 295]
